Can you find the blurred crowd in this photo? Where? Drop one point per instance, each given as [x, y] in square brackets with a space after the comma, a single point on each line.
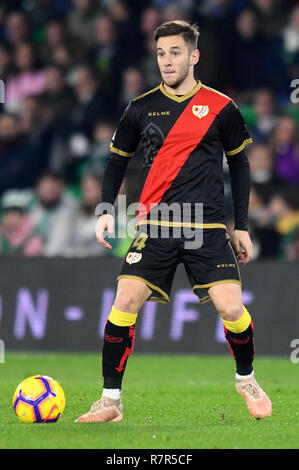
[70, 67]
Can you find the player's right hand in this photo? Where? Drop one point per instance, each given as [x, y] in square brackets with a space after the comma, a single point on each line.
[104, 223]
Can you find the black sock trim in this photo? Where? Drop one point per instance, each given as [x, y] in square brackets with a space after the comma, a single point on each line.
[112, 382]
[244, 369]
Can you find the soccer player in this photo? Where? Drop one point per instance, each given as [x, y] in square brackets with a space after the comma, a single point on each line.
[183, 127]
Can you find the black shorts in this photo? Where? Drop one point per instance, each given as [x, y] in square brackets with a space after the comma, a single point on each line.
[154, 261]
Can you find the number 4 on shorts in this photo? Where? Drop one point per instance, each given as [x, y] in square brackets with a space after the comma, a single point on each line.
[140, 241]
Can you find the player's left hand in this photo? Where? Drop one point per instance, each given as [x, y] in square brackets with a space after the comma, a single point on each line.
[243, 245]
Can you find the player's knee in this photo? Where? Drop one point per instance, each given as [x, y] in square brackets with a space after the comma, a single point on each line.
[126, 302]
[231, 312]
[131, 295]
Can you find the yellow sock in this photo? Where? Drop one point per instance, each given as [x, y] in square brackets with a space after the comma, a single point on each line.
[240, 325]
[122, 318]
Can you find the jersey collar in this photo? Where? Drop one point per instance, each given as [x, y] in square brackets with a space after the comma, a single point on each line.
[179, 99]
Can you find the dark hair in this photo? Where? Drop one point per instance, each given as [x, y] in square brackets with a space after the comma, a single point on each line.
[105, 121]
[92, 71]
[36, 62]
[92, 174]
[52, 65]
[189, 31]
[53, 175]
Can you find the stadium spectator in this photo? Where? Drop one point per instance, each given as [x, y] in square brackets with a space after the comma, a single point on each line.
[22, 159]
[30, 115]
[133, 85]
[284, 208]
[56, 36]
[105, 55]
[265, 237]
[290, 36]
[17, 28]
[83, 242]
[5, 61]
[3, 13]
[286, 150]
[125, 18]
[18, 233]
[85, 156]
[57, 95]
[38, 122]
[148, 63]
[291, 32]
[82, 18]
[258, 212]
[100, 148]
[53, 209]
[90, 103]
[62, 57]
[263, 176]
[171, 12]
[265, 115]
[150, 19]
[119, 11]
[218, 11]
[272, 16]
[212, 56]
[43, 11]
[246, 52]
[28, 79]
[35, 122]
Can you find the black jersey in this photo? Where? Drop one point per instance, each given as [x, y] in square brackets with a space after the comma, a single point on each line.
[182, 140]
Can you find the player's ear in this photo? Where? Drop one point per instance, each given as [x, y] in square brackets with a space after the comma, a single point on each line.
[194, 57]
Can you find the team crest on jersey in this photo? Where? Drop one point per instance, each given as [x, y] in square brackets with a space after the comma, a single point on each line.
[133, 257]
[200, 110]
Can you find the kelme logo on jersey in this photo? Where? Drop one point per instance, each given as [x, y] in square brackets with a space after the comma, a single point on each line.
[199, 110]
[133, 257]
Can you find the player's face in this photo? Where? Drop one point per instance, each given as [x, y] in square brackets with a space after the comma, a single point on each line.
[175, 60]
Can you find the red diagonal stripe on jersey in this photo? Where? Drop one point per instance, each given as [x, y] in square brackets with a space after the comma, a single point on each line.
[181, 140]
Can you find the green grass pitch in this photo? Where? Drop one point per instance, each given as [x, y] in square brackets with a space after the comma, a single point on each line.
[170, 402]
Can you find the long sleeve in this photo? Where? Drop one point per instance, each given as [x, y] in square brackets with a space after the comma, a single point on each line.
[113, 177]
[123, 145]
[235, 137]
[239, 171]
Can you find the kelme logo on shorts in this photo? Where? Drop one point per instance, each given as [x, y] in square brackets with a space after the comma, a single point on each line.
[199, 110]
[133, 257]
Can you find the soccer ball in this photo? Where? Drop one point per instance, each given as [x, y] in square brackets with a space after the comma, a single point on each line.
[39, 399]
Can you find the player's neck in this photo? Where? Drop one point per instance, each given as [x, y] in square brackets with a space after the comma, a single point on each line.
[184, 88]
